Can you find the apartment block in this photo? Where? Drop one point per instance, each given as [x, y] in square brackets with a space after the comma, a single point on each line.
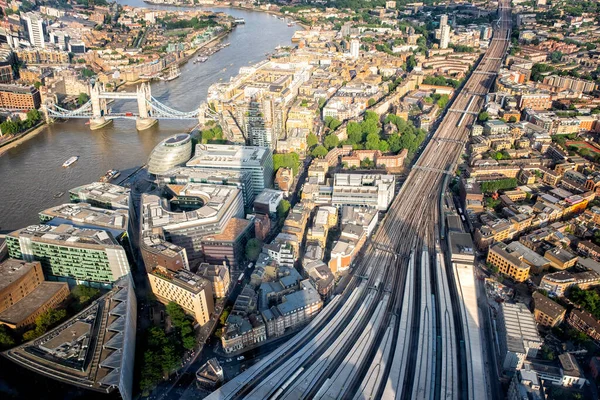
[508, 263]
[24, 294]
[71, 254]
[192, 292]
[547, 312]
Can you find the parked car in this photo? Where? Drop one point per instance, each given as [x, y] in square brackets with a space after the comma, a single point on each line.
[241, 358]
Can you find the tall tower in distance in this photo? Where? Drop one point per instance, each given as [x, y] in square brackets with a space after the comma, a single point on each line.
[444, 31]
[354, 48]
[35, 29]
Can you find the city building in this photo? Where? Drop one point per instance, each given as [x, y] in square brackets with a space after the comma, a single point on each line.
[192, 292]
[172, 152]
[202, 210]
[560, 258]
[355, 49]
[210, 375]
[19, 97]
[546, 311]
[267, 201]
[508, 263]
[258, 161]
[35, 29]
[228, 246]
[84, 214]
[75, 353]
[218, 276]
[375, 191]
[70, 254]
[103, 195]
[585, 322]
[24, 294]
[558, 283]
[517, 334]
[158, 252]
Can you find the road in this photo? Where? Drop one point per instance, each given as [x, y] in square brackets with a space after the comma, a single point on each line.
[393, 330]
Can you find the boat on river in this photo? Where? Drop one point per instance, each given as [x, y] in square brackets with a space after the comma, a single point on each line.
[70, 161]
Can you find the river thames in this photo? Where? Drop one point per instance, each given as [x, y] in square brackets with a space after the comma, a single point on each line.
[31, 173]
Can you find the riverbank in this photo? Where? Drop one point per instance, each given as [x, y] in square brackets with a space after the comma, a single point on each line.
[21, 138]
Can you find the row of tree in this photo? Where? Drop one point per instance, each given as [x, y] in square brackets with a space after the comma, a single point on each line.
[10, 127]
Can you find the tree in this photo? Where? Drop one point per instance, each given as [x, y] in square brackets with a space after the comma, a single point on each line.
[500, 184]
[43, 322]
[283, 208]
[512, 119]
[311, 140]
[37, 84]
[372, 141]
[82, 98]
[331, 141]
[371, 102]
[6, 338]
[319, 152]
[9, 127]
[83, 293]
[483, 116]
[253, 249]
[287, 160]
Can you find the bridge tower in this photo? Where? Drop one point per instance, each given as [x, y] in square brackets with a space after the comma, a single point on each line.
[144, 97]
[99, 108]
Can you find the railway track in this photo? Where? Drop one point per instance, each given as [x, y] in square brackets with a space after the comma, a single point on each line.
[397, 334]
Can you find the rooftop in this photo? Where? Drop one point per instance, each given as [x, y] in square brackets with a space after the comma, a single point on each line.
[116, 196]
[29, 304]
[547, 306]
[12, 270]
[67, 235]
[520, 327]
[80, 353]
[229, 156]
[300, 299]
[83, 213]
[184, 279]
[234, 228]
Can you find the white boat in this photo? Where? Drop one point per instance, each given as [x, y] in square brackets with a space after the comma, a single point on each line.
[70, 161]
[173, 73]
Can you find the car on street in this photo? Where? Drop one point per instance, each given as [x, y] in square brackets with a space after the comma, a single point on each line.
[241, 358]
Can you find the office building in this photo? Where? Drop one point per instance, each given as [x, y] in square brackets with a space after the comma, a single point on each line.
[173, 151]
[558, 283]
[366, 190]
[258, 161]
[24, 294]
[70, 254]
[192, 292]
[35, 29]
[201, 210]
[84, 214]
[94, 350]
[444, 36]
[19, 97]
[103, 195]
[518, 335]
[354, 49]
[267, 201]
[508, 263]
[228, 246]
[158, 252]
[585, 322]
[547, 312]
[240, 179]
[218, 276]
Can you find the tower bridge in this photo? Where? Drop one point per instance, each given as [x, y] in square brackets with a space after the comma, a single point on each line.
[149, 109]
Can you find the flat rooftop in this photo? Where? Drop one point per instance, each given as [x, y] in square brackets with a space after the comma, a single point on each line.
[12, 270]
[93, 350]
[228, 156]
[234, 228]
[67, 235]
[29, 304]
[116, 196]
[84, 213]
